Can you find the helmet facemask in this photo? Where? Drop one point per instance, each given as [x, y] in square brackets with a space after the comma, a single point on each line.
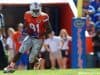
[35, 13]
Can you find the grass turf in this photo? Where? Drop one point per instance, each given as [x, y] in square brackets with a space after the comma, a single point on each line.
[56, 72]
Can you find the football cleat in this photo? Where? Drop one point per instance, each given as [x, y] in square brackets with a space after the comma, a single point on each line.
[9, 69]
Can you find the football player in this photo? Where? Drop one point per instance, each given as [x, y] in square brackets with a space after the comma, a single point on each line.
[36, 25]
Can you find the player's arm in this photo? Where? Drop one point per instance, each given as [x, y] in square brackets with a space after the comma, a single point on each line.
[25, 28]
[47, 24]
[26, 19]
[48, 28]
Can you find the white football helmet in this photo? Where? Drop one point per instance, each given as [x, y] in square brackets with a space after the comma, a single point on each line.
[36, 9]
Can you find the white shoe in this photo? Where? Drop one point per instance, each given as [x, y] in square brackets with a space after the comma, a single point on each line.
[9, 69]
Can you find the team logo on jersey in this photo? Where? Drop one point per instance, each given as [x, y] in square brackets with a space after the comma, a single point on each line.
[38, 21]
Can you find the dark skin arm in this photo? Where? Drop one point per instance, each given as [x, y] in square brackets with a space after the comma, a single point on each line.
[48, 28]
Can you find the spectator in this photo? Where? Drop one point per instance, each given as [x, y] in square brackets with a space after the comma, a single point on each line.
[89, 45]
[90, 28]
[97, 16]
[3, 58]
[10, 44]
[95, 4]
[96, 40]
[88, 9]
[65, 38]
[52, 45]
[18, 38]
[2, 24]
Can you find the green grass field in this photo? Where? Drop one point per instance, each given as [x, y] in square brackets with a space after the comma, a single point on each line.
[56, 72]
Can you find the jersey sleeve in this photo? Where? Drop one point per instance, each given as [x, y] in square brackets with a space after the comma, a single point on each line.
[27, 17]
[26, 20]
[46, 18]
[47, 24]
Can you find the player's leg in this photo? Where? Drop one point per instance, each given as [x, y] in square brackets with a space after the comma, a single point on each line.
[22, 63]
[37, 43]
[26, 45]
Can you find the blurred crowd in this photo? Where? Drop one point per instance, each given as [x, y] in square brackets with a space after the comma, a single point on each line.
[91, 10]
[55, 50]
[10, 45]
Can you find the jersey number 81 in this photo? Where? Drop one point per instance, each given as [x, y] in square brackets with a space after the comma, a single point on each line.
[35, 28]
